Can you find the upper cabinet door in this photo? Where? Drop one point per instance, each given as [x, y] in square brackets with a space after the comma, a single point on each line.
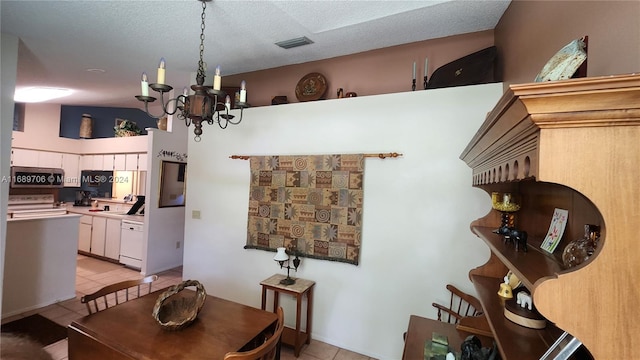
[98, 161]
[142, 162]
[86, 162]
[119, 162]
[108, 162]
[48, 159]
[131, 162]
[71, 167]
[24, 157]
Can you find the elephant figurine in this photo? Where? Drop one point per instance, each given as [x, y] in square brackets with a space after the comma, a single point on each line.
[524, 300]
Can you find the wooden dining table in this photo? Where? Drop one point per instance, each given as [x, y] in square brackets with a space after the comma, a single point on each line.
[129, 331]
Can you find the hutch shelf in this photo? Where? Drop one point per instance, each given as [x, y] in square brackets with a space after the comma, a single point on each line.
[573, 145]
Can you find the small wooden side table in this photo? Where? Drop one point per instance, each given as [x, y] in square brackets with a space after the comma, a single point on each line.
[297, 337]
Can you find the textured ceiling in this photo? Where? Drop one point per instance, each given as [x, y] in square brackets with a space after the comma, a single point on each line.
[60, 40]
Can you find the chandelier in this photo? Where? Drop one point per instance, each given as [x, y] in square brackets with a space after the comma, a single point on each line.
[204, 105]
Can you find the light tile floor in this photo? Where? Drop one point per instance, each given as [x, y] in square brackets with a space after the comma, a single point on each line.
[92, 274]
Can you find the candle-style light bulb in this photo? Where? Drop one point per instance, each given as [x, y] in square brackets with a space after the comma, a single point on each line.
[227, 102]
[144, 85]
[414, 70]
[185, 91]
[243, 92]
[217, 79]
[161, 68]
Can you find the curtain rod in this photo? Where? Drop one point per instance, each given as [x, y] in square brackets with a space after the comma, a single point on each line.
[379, 155]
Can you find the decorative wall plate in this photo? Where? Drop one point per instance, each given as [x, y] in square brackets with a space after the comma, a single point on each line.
[311, 87]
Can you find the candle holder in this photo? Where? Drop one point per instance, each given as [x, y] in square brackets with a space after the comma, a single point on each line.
[425, 82]
[413, 85]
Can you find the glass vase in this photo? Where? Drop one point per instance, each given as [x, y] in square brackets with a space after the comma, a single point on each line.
[578, 251]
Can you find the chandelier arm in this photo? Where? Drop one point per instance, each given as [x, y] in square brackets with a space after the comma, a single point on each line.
[146, 109]
[226, 122]
[239, 120]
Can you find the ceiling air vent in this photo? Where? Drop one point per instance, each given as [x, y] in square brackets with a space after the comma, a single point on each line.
[291, 43]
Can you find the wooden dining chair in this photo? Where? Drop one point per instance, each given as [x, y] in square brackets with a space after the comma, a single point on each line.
[461, 305]
[110, 293]
[268, 349]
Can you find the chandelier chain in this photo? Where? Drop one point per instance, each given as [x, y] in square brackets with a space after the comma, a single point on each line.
[201, 62]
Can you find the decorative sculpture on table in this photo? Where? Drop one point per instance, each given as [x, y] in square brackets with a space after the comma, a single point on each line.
[175, 312]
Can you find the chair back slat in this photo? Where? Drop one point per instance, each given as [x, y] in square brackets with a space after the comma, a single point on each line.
[91, 300]
[268, 349]
[461, 304]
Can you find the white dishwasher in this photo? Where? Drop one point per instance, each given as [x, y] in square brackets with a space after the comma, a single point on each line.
[131, 239]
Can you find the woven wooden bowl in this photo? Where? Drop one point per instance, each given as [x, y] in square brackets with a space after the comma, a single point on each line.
[174, 311]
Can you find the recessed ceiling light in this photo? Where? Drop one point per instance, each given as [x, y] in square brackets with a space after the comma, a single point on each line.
[99, 71]
[39, 94]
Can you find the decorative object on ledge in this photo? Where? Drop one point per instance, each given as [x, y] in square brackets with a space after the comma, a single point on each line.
[426, 70]
[174, 311]
[205, 105]
[279, 100]
[566, 62]
[86, 127]
[578, 251]
[162, 123]
[476, 68]
[311, 87]
[126, 128]
[282, 256]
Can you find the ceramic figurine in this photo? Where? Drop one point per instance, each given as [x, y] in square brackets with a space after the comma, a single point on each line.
[524, 300]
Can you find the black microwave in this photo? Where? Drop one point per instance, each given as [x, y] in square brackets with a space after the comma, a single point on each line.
[35, 177]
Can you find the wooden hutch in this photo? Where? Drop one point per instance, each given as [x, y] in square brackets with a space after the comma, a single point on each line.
[574, 145]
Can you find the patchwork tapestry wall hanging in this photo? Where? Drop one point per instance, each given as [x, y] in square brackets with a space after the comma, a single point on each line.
[309, 204]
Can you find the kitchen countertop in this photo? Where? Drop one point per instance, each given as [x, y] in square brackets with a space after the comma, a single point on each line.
[114, 201]
[86, 210]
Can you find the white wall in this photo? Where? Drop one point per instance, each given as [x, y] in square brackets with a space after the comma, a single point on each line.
[41, 262]
[8, 70]
[164, 227]
[416, 215]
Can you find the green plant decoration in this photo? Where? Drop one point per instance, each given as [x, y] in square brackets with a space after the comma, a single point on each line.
[127, 128]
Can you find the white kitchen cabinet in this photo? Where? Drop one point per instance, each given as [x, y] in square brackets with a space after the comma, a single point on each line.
[131, 162]
[119, 161]
[24, 157]
[98, 161]
[112, 242]
[71, 167]
[84, 238]
[48, 159]
[98, 235]
[86, 162]
[108, 162]
[142, 162]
